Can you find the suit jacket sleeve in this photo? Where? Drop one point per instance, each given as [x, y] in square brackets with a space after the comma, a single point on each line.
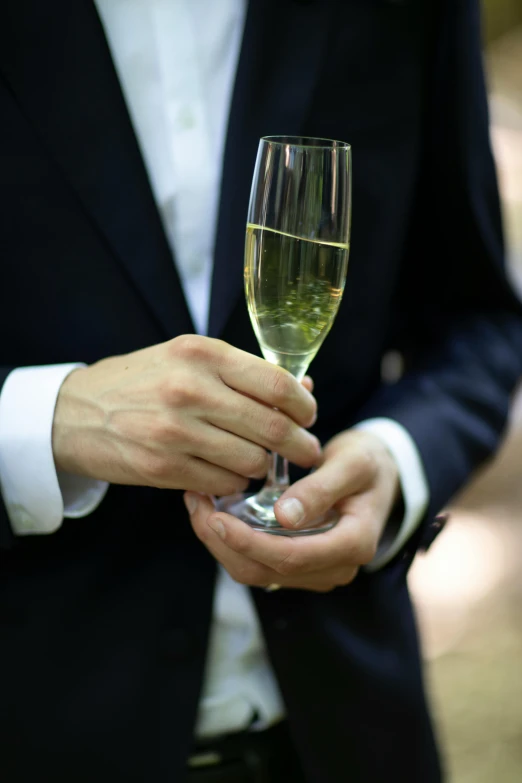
[461, 328]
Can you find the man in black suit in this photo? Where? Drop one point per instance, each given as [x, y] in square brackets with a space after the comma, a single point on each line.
[107, 624]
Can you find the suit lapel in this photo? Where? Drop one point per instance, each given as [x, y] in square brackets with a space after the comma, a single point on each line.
[271, 95]
[58, 65]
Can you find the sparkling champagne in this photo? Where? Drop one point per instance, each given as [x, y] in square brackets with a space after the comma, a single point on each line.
[293, 288]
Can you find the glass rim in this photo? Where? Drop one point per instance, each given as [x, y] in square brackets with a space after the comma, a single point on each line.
[284, 141]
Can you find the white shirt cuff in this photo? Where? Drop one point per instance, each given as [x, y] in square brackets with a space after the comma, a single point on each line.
[37, 498]
[414, 485]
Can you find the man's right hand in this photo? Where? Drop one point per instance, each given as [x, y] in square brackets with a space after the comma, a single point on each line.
[193, 413]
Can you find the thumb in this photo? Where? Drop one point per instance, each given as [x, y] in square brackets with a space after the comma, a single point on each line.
[306, 501]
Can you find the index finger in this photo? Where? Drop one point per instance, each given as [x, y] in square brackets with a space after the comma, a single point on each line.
[294, 555]
[269, 384]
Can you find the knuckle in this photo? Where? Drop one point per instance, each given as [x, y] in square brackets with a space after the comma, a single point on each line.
[184, 469]
[365, 467]
[282, 387]
[278, 428]
[320, 490]
[188, 346]
[157, 431]
[289, 565]
[203, 533]
[242, 544]
[180, 393]
[230, 486]
[309, 454]
[256, 464]
[155, 468]
[246, 574]
[167, 431]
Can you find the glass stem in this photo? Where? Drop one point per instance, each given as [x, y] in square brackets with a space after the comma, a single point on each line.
[278, 478]
[277, 481]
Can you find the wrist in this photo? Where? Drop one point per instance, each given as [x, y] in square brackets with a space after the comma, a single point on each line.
[414, 488]
[75, 419]
[389, 469]
[388, 478]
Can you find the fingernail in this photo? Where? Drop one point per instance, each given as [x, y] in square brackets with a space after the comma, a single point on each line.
[191, 503]
[293, 510]
[218, 527]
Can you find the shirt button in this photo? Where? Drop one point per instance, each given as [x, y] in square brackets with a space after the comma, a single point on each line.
[186, 118]
[195, 265]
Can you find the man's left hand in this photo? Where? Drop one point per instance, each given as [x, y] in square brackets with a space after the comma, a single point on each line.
[357, 476]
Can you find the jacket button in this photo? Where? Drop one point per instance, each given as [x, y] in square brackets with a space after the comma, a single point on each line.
[178, 644]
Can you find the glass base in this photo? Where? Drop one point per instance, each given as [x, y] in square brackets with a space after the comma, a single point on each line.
[258, 512]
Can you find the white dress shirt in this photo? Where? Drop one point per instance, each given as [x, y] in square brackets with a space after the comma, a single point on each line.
[176, 62]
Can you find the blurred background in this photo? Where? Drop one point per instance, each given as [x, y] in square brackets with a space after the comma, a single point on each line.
[468, 588]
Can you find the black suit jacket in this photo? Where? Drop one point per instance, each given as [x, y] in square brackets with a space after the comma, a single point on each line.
[104, 625]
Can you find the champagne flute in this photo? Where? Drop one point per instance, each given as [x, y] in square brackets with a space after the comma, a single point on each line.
[296, 259]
